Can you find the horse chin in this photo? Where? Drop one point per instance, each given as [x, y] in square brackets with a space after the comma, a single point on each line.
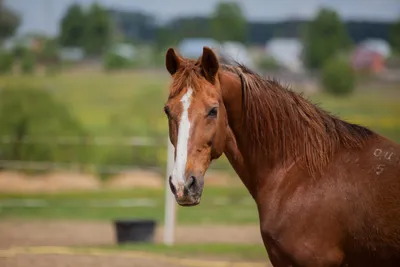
[189, 203]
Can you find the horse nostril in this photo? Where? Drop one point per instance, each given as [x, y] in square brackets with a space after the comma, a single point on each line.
[191, 183]
[173, 189]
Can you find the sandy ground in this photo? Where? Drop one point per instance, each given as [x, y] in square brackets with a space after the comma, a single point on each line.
[80, 233]
[17, 234]
[116, 259]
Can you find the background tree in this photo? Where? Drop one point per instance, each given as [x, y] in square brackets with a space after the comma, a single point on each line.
[33, 112]
[228, 23]
[9, 22]
[338, 77]
[395, 36]
[73, 27]
[97, 35]
[325, 36]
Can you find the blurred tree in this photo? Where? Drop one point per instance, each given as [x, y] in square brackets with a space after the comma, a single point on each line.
[228, 23]
[134, 26]
[32, 112]
[165, 37]
[97, 35]
[72, 27]
[338, 77]
[395, 36]
[9, 22]
[187, 27]
[6, 62]
[325, 36]
[28, 62]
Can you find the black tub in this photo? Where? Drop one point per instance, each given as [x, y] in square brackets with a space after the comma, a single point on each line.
[135, 231]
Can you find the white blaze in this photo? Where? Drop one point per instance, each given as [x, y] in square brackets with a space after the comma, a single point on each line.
[178, 173]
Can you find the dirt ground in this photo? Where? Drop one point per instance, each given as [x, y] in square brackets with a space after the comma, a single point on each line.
[18, 234]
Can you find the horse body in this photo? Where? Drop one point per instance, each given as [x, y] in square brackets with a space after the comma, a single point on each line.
[338, 218]
[327, 191]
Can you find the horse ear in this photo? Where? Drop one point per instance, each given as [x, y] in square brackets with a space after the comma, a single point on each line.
[209, 64]
[172, 61]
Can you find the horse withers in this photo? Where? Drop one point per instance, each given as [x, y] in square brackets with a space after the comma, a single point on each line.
[327, 191]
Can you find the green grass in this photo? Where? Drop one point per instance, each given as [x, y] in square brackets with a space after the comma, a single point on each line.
[379, 110]
[243, 252]
[240, 209]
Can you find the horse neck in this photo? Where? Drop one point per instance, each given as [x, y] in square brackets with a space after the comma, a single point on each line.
[234, 150]
[289, 135]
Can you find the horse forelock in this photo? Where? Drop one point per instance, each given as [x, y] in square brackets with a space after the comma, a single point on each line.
[188, 76]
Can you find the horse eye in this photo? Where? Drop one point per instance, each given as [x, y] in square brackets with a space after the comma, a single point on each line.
[213, 112]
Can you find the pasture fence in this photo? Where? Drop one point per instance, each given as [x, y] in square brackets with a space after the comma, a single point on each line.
[131, 142]
[134, 141]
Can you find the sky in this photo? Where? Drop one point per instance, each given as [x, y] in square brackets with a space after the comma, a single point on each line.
[43, 16]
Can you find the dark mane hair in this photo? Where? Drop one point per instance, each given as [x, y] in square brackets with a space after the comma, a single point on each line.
[287, 126]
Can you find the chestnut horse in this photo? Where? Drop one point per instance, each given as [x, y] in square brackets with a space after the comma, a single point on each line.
[327, 191]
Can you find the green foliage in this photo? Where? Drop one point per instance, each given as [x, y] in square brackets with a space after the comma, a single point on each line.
[338, 77]
[228, 23]
[113, 61]
[27, 111]
[395, 36]
[267, 63]
[6, 62]
[325, 36]
[9, 22]
[28, 62]
[97, 31]
[18, 51]
[49, 57]
[91, 30]
[72, 27]
[164, 38]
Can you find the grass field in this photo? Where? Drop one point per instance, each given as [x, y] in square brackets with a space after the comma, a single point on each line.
[219, 206]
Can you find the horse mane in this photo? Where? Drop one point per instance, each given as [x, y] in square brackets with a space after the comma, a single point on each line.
[286, 126]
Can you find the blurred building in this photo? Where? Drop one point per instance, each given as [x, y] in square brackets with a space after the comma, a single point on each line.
[193, 47]
[379, 46]
[231, 52]
[286, 52]
[370, 56]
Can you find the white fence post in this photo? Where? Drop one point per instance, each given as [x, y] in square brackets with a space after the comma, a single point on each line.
[170, 205]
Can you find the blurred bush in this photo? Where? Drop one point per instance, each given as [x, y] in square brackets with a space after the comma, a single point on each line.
[28, 62]
[113, 61]
[49, 56]
[267, 63]
[33, 112]
[6, 62]
[338, 77]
